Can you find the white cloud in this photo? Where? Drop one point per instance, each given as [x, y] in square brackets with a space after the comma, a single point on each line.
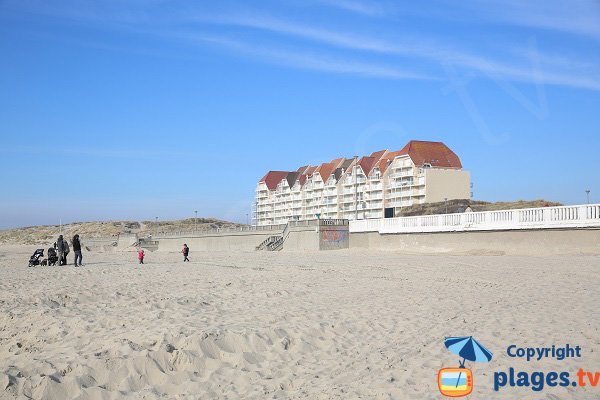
[580, 17]
[517, 70]
[369, 8]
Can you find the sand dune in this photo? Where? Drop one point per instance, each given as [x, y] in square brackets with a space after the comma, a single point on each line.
[329, 325]
[47, 234]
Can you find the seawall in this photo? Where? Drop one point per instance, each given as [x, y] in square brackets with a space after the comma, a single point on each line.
[521, 242]
[230, 241]
[299, 236]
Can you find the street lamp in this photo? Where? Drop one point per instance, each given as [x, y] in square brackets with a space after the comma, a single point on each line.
[355, 189]
[446, 204]
[156, 222]
[588, 195]
[195, 221]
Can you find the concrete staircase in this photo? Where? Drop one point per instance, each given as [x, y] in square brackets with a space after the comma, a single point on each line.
[275, 243]
[267, 242]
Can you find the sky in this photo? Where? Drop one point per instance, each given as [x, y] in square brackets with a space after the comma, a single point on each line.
[138, 109]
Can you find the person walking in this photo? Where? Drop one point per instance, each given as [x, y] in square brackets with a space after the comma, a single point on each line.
[185, 251]
[141, 255]
[60, 249]
[67, 251]
[77, 250]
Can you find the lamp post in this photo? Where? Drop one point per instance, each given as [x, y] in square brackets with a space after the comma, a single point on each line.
[195, 221]
[446, 204]
[156, 222]
[588, 195]
[355, 190]
[247, 220]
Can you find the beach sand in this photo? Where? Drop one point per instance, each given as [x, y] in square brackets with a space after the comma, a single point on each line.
[327, 325]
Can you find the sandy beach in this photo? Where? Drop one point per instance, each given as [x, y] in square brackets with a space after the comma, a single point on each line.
[328, 325]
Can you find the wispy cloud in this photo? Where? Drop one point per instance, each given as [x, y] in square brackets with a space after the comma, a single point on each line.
[576, 17]
[518, 70]
[311, 60]
[419, 56]
[369, 8]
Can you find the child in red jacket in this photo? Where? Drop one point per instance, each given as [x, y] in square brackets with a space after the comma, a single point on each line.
[141, 256]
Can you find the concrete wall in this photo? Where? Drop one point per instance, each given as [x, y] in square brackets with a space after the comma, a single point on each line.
[333, 237]
[525, 242]
[302, 239]
[234, 241]
[446, 183]
[100, 244]
[313, 238]
[127, 242]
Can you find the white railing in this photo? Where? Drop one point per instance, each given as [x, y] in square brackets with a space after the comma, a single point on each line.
[580, 216]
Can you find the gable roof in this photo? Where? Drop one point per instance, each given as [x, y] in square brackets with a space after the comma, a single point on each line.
[337, 162]
[382, 165]
[367, 164]
[302, 179]
[310, 170]
[291, 178]
[325, 170]
[437, 154]
[378, 154]
[347, 163]
[272, 178]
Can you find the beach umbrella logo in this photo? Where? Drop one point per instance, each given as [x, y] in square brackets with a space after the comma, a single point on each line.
[458, 382]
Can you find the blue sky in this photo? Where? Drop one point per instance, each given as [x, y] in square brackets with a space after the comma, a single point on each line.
[135, 109]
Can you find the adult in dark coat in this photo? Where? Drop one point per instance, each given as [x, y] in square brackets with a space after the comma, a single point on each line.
[185, 251]
[67, 251]
[60, 249]
[77, 250]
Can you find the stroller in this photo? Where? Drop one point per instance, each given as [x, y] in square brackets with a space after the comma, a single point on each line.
[35, 258]
[52, 257]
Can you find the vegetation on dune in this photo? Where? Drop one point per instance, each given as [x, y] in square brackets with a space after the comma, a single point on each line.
[458, 206]
[48, 233]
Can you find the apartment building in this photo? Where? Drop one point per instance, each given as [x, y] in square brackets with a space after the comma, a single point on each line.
[374, 186]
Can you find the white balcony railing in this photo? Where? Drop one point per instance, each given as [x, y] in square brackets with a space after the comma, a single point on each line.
[580, 216]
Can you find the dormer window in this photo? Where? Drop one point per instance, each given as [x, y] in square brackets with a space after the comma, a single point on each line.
[426, 165]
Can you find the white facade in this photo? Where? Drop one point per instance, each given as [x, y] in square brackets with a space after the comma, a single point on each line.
[364, 188]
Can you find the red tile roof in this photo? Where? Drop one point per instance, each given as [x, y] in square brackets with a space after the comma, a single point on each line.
[367, 164]
[310, 170]
[378, 154]
[337, 162]
[383, 164]
[272, 178]
[302, 179]
[437, 154]
[325, 170]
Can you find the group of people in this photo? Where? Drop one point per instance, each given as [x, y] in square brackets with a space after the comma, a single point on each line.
[62, 248]
[185, 251]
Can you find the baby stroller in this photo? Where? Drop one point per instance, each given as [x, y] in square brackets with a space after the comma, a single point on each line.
[52, 257]
[35, 258]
